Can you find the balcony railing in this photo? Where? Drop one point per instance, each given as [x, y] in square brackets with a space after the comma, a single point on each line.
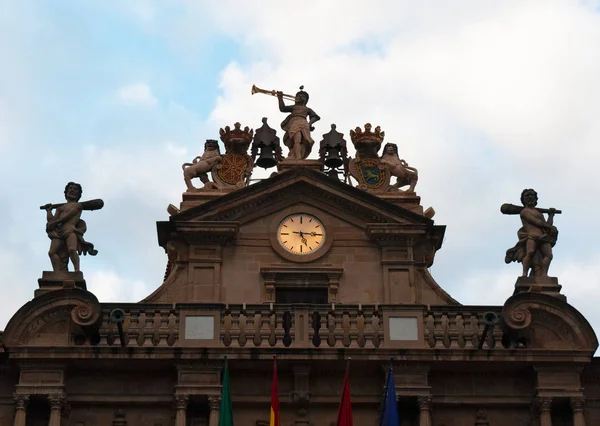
[298, 326]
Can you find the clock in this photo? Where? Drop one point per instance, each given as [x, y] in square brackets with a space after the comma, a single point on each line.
[301, 234]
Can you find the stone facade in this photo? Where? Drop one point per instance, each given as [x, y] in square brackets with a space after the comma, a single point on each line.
[232, 289]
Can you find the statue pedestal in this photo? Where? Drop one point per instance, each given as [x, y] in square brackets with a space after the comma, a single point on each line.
[544, 285]
[57, 280]
[292, 164]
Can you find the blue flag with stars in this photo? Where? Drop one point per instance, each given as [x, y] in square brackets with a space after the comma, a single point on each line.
[389, 410]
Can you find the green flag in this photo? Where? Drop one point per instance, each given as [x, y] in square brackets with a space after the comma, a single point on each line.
[226, 411]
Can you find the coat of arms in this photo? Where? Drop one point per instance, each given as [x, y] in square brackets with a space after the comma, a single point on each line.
[236, 165]
[370, 174]
[234, 168]
[367, 168]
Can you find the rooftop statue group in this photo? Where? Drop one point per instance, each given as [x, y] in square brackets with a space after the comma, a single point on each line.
[233, 169]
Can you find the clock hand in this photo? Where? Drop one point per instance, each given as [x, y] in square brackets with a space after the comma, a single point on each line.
[314, 234]
[304, 241]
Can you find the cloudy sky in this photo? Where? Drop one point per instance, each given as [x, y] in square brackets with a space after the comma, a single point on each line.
[485, 98]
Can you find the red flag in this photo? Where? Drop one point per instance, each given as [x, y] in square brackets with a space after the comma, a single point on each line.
[274, 420]
[345, 411]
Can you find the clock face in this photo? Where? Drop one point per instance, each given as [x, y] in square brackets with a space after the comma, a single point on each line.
[301, 234]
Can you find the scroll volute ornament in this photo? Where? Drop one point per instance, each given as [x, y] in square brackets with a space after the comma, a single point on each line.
[542, 321]
[515, 321]
[78, 308]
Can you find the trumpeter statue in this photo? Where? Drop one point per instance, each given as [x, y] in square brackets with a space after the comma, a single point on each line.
[297, 129]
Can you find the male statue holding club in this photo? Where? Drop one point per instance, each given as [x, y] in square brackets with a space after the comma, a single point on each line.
[65, 228]
[537, 236]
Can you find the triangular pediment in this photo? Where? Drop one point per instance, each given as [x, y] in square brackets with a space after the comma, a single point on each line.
[302, 186]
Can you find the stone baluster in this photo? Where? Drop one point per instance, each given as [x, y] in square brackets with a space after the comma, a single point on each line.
[181, 403]
[20, 409]
[214, 403]
[577, 405]
[56, 403]
[424, 410]
[545, 407]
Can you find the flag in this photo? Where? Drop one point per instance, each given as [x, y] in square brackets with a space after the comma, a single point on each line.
[345, 411]
[274, 421]
[226, 410]
[389, 409]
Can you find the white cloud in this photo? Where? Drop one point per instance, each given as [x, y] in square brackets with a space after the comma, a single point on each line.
[109, 286]
[139, 94]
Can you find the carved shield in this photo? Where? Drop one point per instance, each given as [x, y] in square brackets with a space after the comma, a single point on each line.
[370, 174]
[232, 170]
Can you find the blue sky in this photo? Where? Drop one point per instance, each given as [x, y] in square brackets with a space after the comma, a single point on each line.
[485, 98]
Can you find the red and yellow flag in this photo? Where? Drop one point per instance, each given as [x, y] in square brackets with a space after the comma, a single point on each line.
[274, 397]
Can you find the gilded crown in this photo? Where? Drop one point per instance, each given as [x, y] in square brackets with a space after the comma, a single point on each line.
[236, 134]
[358, 135]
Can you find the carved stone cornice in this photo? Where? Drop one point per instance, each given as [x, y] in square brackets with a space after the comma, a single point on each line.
[300, 184]
[397, 233]
[211, 232]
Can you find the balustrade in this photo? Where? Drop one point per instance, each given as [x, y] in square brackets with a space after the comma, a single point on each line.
[300, 326]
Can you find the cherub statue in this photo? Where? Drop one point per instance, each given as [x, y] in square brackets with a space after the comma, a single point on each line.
[537, 236]
[200, 166]
[65, 228]
[297, 130]
[405, 174]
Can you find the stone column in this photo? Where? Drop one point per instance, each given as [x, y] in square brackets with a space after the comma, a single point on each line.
[577, 404]
[424, 410]
[20, 409]
[181, 403]
[545, 405]
[56, 402]
[214, 403]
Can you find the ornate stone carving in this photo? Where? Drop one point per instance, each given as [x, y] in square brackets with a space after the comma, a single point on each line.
[544, 404]
[65, 228]
[525, 311]
[201, 165]
[297, 129]
[86, 314]
[404, 174]
[56, 401]
[214, 402]
[181, 402]
[424, 402]
[21, 401]
[236, 165]
[371, 174]
[577, 403]
[537, 236]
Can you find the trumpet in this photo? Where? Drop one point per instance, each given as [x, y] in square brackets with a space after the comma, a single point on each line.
[270, 92]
